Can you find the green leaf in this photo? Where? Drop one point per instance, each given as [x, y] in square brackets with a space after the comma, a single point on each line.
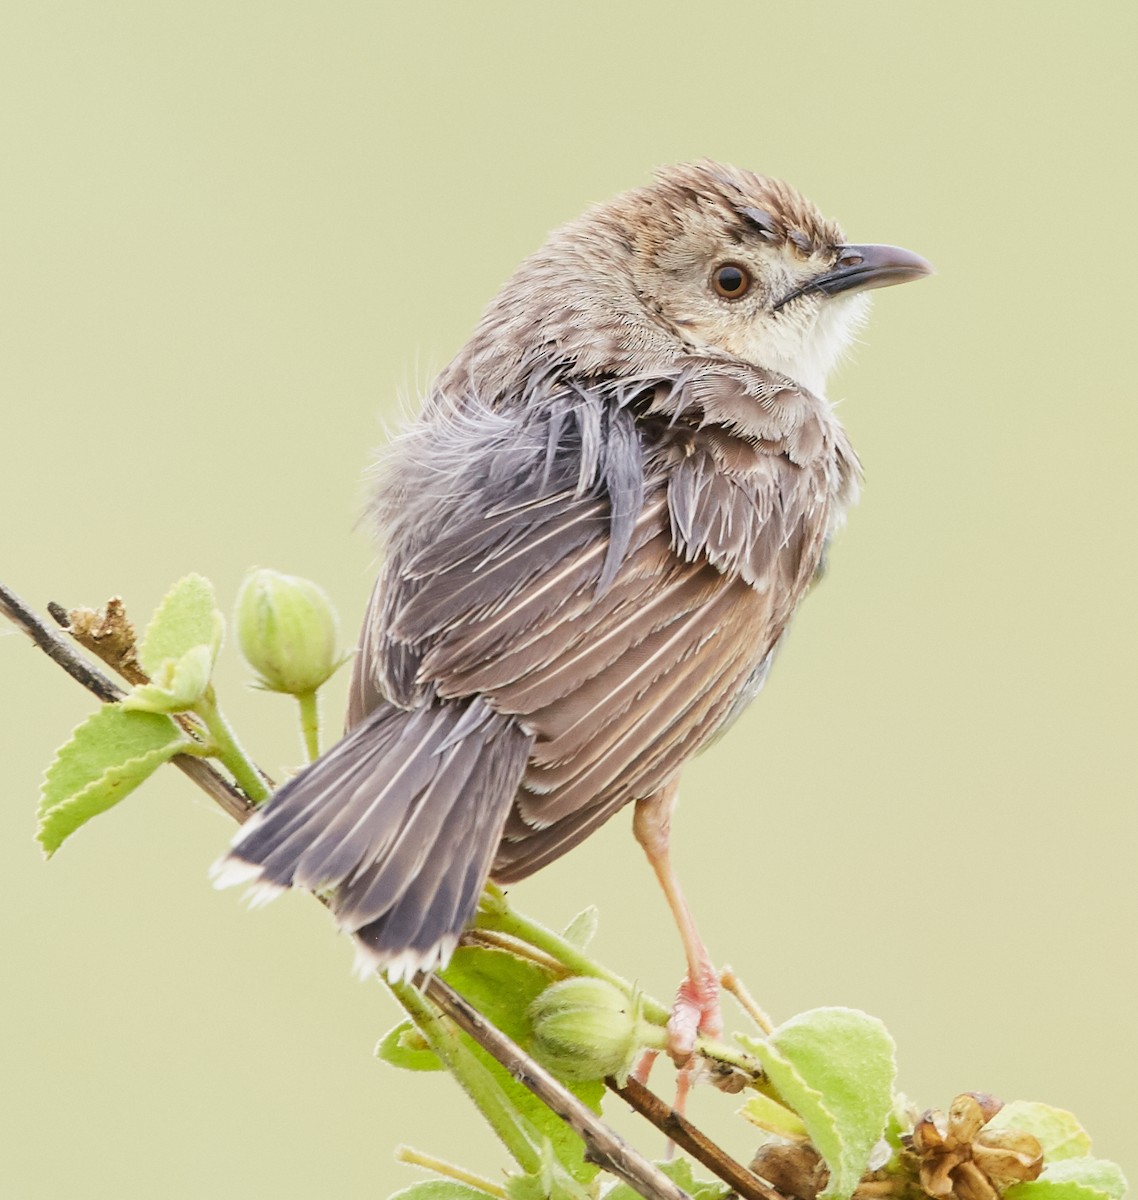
[835, 1068]
[679, 1171]
[439, 1189]
[177, 685]
[1073, 1179]
[549, 1182]
[1058, 1131]
[187, 617]
[108, 756]
[768, 1114]
[581, 930]
[405, 1047]
[502, 987]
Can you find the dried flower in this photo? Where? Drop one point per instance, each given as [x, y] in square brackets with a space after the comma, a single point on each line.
[960, 1159]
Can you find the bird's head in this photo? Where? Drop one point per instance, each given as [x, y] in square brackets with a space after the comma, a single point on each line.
[707, 260]
[739, 264]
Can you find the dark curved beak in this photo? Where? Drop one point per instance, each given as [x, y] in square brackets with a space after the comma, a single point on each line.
[860, 268]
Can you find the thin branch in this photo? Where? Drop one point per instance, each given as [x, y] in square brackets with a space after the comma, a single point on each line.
[500, 941]
[109, 636]
[416, 1158]
[56, 648]
[210, 780]
[730, 982]
[696, 1143]
[602, 1145]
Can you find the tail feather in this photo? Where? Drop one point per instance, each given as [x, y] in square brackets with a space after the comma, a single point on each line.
[402, 819]
[385, 796]
[378, 887]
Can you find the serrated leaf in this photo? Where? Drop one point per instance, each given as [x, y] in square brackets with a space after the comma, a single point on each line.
[439, 1189]
[773, 1117]
[1058, 1131]
[581, 930]
[502, 987]
[1080, 1178]
[178, 685]
[108, 756]
[835, 1068]
[398, 1047]
[187, 617]
[679, 1171]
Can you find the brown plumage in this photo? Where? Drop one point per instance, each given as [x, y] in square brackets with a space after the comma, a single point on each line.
[596, 534]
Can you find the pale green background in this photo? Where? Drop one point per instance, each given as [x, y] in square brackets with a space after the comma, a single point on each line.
[232, 234]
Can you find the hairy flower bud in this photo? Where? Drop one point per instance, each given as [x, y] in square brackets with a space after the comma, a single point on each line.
[287, 631]
[585, 1028]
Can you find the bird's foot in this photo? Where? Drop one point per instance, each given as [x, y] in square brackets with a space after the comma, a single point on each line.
[695, 1010]
[644, 1065]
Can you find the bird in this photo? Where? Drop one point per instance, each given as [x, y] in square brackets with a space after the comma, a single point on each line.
[595, 534]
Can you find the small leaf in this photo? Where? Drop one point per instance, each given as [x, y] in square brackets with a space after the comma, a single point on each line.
[1058, 1131]
[835, 1068]
[178, 685]
[1080, 1178]
[768, 1114]
[439, 1189]
[581, 930]
[404, 1047]
[187, 617]
[108, 756]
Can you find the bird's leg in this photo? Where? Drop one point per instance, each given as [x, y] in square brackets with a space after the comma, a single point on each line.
[696, 1008]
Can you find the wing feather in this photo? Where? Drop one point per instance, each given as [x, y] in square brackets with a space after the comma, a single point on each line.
[622, 613]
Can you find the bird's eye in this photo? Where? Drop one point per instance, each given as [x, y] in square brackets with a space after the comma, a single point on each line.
[731, 281]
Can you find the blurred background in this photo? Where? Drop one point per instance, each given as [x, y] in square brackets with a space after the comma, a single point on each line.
[237, 239]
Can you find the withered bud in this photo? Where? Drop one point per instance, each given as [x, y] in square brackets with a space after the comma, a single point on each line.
[794, 1168]
[1008, 1156]
[960, 1158]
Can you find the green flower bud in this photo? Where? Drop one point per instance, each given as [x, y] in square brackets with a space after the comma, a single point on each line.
[287, 631]
[585, 1028]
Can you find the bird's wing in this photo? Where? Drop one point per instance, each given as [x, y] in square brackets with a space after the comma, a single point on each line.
[620, 612]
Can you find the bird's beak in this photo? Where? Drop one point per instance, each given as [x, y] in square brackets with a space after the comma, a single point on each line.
[860, 268]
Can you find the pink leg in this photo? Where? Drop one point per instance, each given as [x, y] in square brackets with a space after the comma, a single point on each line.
[696, 1008]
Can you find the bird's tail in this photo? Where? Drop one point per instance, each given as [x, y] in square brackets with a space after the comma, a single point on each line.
[401, 820]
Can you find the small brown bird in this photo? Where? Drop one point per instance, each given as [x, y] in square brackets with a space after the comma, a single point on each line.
[596, 534]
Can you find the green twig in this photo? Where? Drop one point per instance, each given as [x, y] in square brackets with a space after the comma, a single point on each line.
[471, 1075]
[496, 915]
[310, 724]
[416, 1158]
[227, 748]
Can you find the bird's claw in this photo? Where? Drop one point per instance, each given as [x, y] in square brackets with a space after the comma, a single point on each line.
[695, 1011]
